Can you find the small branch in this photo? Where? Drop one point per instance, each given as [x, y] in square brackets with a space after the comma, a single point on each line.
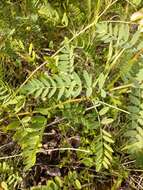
[8, 157]
[109, 105]
[5, 146]
[129, 162]
[114, 107]
[55, 122]
[122, 87]
[136, 182]
[118, 21]
[62, 149]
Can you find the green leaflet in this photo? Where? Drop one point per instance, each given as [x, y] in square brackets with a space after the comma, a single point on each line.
[5, 92]
[103, 150]
[29, 138]
[61, 85]
[107, 121]
[119, 35]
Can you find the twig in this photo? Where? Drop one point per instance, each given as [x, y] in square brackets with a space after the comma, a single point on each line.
[134, 170]
[62, 149]
[7, 145]
[8, 157]
[122, 87]
[129, 162]
[140, 181]
[109, 105]
[118, 21]
[55, 122]
[114, 107]
[131, 4]
[136, 182]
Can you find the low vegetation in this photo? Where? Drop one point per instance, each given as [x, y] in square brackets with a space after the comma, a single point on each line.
[71, 94]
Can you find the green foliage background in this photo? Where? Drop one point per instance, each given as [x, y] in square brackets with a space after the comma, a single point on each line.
[73, 68]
